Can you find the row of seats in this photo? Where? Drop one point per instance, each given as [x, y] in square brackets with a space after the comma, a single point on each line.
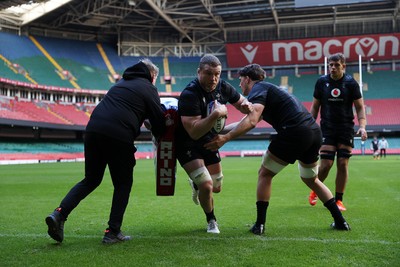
[10, 149]
[379, 112]
[40, 147]
[44, 112]
[87, 68]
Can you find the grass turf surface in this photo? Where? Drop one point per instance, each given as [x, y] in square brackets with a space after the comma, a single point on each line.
[171, 231]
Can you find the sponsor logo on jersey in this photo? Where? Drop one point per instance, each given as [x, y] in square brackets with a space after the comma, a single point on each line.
[335, 92]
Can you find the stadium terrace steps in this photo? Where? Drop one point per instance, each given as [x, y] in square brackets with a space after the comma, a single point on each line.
[14, 115]
[22, 152]
[84, 61]
[235, 115]
[71, 113]
[9, 73]
[44, 112]
[21, 50]
[12, 158]
[383, 111]
[379, 112]
[183, 71]
[382, 84]
[38, 112]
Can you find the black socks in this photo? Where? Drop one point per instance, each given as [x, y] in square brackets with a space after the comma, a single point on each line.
[339, 196]
[210, 216]
[261, 212]
[333, 208]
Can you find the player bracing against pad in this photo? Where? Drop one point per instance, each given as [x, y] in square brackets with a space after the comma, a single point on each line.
[298, 138]
[198, 127]
[109, 141]
[334, 97]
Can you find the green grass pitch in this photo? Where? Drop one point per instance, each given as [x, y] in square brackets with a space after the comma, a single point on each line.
[171, 231]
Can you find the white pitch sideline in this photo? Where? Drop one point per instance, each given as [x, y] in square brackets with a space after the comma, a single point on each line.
[250, 237]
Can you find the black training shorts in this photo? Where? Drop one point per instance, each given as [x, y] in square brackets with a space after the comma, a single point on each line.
[186, 152]
[302, 143]
[334, 135]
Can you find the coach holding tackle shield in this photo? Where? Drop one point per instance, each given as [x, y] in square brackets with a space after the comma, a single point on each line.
[298, 138]
[109, 140]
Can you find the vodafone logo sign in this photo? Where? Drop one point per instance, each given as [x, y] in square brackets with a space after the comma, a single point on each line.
[313, 51]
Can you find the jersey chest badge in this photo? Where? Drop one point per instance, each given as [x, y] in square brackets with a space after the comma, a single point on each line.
[335, 92]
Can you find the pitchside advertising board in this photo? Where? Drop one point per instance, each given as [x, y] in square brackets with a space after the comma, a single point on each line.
[313, 51]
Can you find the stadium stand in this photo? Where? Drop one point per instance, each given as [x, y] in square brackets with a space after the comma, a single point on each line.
[37, 112]
[70, 113]
[11, 71]
[34, 152]
[44, 112]
[92, 66]
[22, 51]
[183, 70]
[81, 60]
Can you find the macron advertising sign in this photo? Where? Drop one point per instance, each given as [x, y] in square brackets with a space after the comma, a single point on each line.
[313, 51]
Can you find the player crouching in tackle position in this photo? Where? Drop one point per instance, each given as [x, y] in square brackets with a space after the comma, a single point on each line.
[298, 138]
[202, 165]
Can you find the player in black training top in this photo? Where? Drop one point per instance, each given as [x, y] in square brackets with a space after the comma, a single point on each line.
[204, 166]
[335, 95]
[298, 138]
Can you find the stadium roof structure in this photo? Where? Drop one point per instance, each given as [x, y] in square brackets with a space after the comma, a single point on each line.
[135, 24]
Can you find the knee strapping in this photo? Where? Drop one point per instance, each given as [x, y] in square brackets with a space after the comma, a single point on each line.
[271, 164]
[344, 153]
[327, 154]
[217, 179]
[200, 175]
[308, 172]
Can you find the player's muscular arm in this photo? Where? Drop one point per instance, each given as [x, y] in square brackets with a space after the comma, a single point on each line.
[247, 123]
[359, 105]
[315, 108]
[362, 120]
[243, 105]
[197, 127]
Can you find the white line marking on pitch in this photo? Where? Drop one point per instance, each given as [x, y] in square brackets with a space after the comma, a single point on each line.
[261, 238]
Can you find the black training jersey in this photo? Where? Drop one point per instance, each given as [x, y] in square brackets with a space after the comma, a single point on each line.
[194, 99]
[336, 98]
[281, 109]
[124, 108]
